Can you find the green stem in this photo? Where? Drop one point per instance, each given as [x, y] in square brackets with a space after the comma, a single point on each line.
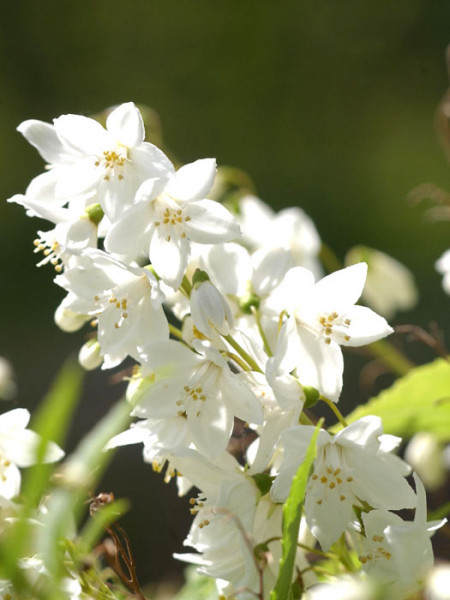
[257, 316]
[248, 359]
[238, 360]
[329, 555]
[335, 409]
[391, 357]
[175, 332]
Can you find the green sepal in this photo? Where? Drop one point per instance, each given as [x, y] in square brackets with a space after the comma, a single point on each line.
[311, 396]
[248, 301]
[263, 482]
[95, 213]
[199, 277]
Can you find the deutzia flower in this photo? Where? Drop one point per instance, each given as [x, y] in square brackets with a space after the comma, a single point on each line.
[196, 394]
[323, 316]
[126, 301]
[390, 285]
[170, 212]
[87, 161]
[18, 447]
[350, 467]
[443, 266]
[398, 551]
[291, 229]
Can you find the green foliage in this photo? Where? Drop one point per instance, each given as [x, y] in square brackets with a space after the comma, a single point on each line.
[419, 401]
[292, 512]
[64, 489]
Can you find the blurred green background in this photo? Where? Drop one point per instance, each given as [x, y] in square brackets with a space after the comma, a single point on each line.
[327, 105]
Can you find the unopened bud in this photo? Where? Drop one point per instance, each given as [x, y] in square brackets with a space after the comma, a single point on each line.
[68, 320]
[89, 356]
[209, 309]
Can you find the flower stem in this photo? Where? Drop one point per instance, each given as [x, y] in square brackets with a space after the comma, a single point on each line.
[257, 316]
[238, 360]
[335, 409]
[175, 332]
[248, 359]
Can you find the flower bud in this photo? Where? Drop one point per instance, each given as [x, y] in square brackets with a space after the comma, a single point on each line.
[89, 356]
[209, 309]
[68, 320]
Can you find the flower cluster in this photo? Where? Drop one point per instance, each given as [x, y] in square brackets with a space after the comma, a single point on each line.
[138, 244]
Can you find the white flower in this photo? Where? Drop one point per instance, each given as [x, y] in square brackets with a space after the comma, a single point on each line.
[18, 447]
[221, 533]
[88, 161]
[126, 301]
[426, 455]
[8, 386]
[168, 214]
[323, 316]
[443, 266]
[197, 395]
[438, 583]
[350, 467]
[390, 286]
[291, 229]
[344, 588]
[398, 551]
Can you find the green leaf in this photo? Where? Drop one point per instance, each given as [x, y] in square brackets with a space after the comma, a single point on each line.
[292, 512]
[419, 401]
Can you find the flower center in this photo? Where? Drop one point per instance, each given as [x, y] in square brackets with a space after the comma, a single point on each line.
[171, 217]
[113, 162]
[328, 480]
[51, 251]
[334, 326]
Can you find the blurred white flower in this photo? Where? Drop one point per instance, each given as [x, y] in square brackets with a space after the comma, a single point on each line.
[390, 286]
[18, 447]
[426, 456]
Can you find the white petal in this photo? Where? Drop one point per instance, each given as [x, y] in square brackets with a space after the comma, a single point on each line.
[14, 420]
[229, 267]
[130, 235]
[241, 400]
[269, 269]
[10, 482]
[327, 515]
[80, 134]
[342, 288]
[212, 428]
[210, 223]
[125, 124]
[193, 181]
[378, 481]
[294, 290]
[364, 433]
[169, 257]
[320, 365]
[365, 327]
[43, 137]
[81, 179]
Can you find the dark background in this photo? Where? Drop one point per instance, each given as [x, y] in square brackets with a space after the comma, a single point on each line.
[328, 106]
